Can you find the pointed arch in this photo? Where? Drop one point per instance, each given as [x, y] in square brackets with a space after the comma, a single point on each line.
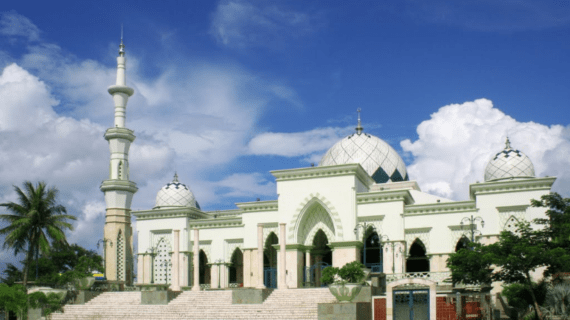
[236, 267]
[462, 243]
[306, 204]
[417, 260]
[511, 224]
[313, 217]
[163, 260]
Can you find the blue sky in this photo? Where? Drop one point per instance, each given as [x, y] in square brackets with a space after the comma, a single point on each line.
[228, 90]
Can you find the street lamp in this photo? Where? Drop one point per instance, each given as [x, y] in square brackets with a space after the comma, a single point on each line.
[152, 255]
[219, 263]
[472, 225]
[365, 227]
[394, 255]
[104, 241]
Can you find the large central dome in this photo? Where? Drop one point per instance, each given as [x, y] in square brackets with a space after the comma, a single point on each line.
[376, 156]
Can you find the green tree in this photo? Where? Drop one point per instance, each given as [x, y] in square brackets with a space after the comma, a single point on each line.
[556, 227]
[511, 259]
[12, 273]
[34, 221]
[13, 298]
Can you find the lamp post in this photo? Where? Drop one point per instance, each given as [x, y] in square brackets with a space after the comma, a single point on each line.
[472, 225]
[152, 255]
[219, 263]
[393, 245]
[365, 227]
[104, 241]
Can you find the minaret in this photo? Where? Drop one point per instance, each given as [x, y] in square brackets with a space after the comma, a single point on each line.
[118, 189]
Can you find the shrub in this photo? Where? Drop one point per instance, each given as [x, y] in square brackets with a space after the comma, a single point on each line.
[349, 273]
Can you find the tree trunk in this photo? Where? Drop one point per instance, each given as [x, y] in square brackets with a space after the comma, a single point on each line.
[535, 304]
[29, 257]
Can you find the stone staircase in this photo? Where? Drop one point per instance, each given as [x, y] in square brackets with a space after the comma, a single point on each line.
[281, 304]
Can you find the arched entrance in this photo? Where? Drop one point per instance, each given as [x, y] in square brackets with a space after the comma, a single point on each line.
[418, 260]
[270, 261]
[462, 244]
[236, 269]
[371, 253]
[320, 258]
[204, 270]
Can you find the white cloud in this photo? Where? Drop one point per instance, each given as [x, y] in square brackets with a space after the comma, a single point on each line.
[296, 144]
[14, 24]
[455, 145]
[240, 23]
[246, 184]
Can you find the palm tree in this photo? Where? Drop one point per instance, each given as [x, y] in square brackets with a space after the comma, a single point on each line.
[36, 218]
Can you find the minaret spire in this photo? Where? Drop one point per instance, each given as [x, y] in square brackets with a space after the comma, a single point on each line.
[359, 125]
[118, 189]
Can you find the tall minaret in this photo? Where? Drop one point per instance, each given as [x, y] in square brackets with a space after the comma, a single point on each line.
[118, 189]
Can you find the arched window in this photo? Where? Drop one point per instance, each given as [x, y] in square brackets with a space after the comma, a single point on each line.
[462, 243]
[236, 268]
[417, 259]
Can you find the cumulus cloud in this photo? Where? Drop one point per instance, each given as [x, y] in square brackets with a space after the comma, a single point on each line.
[456, 143]
[15, 25]
[240, 23]
[246, 185]
[294, 144]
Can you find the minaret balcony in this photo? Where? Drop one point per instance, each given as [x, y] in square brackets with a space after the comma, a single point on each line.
[120, 133]
[121, 89]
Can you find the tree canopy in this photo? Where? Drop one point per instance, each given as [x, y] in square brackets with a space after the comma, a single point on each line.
[516, 255]
[34, 222]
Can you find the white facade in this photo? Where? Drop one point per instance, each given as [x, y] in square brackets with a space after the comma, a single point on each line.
[315, 216]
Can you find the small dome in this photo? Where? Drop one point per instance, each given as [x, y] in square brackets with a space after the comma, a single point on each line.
[509, 163]
[175, 194]
[375, 155]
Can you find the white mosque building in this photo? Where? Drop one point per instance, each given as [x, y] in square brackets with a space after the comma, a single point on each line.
[359, 203]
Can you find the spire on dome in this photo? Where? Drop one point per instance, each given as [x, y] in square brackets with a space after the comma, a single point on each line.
[175, 177]
[359, 126]
[507, 144]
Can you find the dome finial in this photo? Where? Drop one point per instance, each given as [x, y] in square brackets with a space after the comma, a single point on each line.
[175, 177]
[359, 126]
[507, 144]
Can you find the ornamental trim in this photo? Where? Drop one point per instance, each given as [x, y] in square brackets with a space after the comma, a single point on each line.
[354, 169]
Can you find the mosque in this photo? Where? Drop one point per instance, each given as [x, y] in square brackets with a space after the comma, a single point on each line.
[358, 203]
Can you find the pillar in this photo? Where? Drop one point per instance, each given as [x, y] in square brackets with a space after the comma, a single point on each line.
[307, 268]
[282, 267]
[196, 258]
[148, 267]
[140, 268]
[318, 259]
[260, 284]
[176, 262]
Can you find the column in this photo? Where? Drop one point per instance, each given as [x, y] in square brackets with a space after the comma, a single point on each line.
[140, 268]
[176, 262]
[196, 258]
[318, 259]
[260, 284]
[147, 267]
[307, 268]
[282, 268]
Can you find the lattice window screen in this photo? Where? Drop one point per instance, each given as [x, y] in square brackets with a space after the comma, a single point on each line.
[120, 257]
[162, 262]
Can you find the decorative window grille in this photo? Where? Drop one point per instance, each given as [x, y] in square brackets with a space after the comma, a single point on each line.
[121, 257]
[163, 262]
